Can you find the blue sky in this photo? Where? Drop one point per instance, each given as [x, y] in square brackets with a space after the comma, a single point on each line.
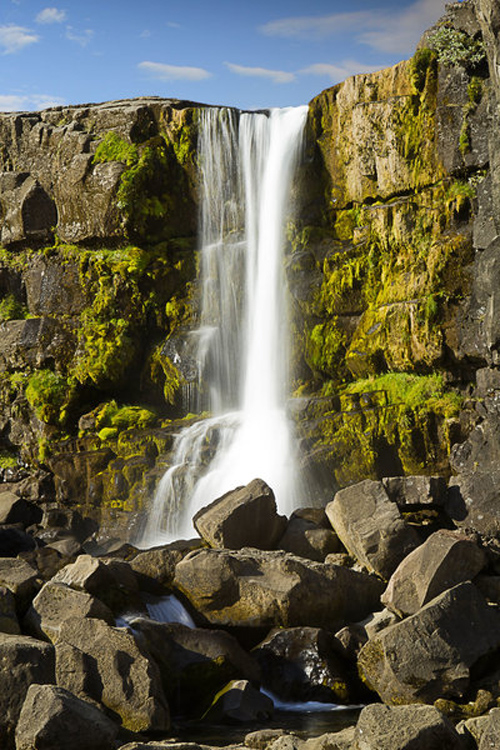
[245, 54]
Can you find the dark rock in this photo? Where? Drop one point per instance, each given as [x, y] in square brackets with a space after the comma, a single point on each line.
[371, 527]
[245, 517]
[57, 602]
[194, 663]
[379, 621]
[96, 661]
[155, 568]
[406, 491]
[20, 578]
[306, 539]
[405, 728]
[27, 211]
[239, 702]
[255, 588]
[8, 617]
[473, 502]
[45, 560]
[302, 664]
[51, 716]
[444, 560]
[430, 654]
[14, 540]
[14, 509]
[25, 661]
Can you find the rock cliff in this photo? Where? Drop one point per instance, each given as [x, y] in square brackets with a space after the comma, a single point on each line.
[391, 265]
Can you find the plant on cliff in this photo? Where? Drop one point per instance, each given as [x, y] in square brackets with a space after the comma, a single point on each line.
[11, 309]
[455, 47]
[47, 394]
[423, 62]
[114, 148]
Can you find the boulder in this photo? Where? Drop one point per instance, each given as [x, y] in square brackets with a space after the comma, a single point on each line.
[405, 728]
[24, 661]
[45, 560]
[473, 502]
[416, 490]
[306, 539]
[445, 559]
[371, 527]
[490, 732]
[20, 578]
[194, 663]
[430, 654]
[15, 509]
[379, 621]
[302, 664]
[99, 662]
[155, 568]
[244, 517]
[472, 730]
[240, 702]
[8, 617]
[52, 718]
[265, 589]
[55, 603]
[14, 540]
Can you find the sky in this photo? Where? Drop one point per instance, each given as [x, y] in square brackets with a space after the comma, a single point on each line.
[248, 54]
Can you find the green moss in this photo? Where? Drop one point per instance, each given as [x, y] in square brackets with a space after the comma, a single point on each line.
[47, 394]
[108, 433]
[8, 460]
[422, 65]
[114, 148]
[164, 373]
[124, 417]
[325, 348]
[106, 352]
[11, 309]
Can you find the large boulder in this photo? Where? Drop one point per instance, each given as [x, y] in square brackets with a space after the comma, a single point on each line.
[305, 538]
[15, 509]
[371, 527]
[302, 664]
[56, 603]
[473, 502]
[240, 702]
[445, 559]
[24, 661]
[96, 661]
[194, 663]
[20, 578]
[405, 728]
[430, 654]
[54, 719]
[490, 736]
[155, 568]
[244, 517]
[256, 588]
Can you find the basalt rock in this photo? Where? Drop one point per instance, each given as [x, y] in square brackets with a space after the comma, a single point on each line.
[405, 727]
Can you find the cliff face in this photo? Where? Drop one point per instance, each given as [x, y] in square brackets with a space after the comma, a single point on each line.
[392, 268]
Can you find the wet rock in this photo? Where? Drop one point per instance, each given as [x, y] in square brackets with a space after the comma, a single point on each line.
[302, 664]
[24, 661]
[255, 588]
[240, 702]
[57, 602]
[51, 716]
[194, 663]
[244, 517]
[430, 654]
[445, 559]
[102, 663]
[306, 539]
[404, 727]
[371, 527]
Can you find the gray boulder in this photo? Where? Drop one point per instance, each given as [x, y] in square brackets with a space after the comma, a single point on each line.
[15, 509]
[20, 578]
[302, 664]
[96, 661]
[57, 602]
[24, 661]
[254, 588]
[444, 560]
[405, 728]
[371, 527]
[54, 719]
[407, 491]
[474, 502]
[490, 732]
[306, 539]
[240, 702]
[244, 517]
[155, 568]
[430, 654]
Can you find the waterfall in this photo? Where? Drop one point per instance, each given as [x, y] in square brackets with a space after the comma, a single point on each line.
[247, 160]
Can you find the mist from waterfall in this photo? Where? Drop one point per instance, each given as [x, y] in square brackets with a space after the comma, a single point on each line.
[247, 162]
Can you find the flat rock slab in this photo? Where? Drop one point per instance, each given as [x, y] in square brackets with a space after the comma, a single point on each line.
[245, 517]
[371, 527]
[444, 560]
[429, 655]
[255, 588]
[405, 728]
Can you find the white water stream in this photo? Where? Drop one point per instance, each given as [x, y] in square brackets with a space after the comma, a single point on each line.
[247, 162]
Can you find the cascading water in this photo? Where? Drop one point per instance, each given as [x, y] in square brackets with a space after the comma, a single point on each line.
[247, 162]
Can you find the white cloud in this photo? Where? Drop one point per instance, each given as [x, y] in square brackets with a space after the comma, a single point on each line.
[337, 73]
[276, 76]
[80, 37]
[15, 38]
[173, 25]
[17, 102]
[164, 72]
[145, 34]
[51, 15]
[383, 29]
